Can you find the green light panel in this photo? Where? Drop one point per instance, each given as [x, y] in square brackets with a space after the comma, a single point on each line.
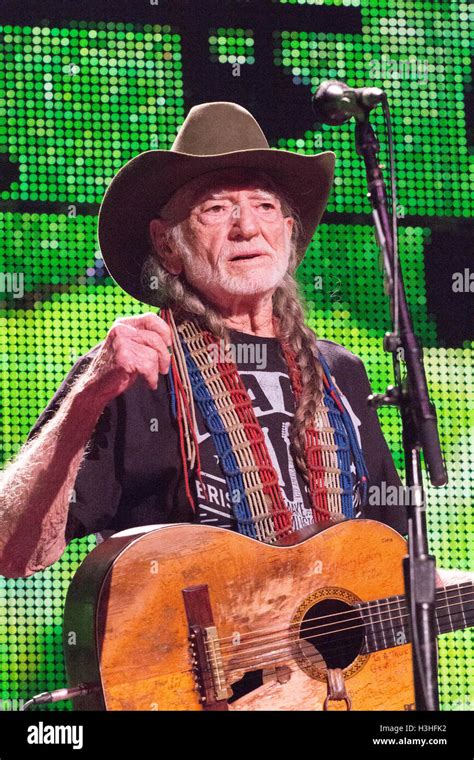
[231, 45]
[419, 54]
[76, 103]
[80, 101]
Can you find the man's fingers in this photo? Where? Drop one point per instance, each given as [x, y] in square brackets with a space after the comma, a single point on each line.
[151, 340]
[148, 321]
[124, 332]
[148, 361]
[134, 346]
[124, 335]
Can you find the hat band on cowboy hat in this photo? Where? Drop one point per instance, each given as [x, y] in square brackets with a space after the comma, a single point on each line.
[214, 136]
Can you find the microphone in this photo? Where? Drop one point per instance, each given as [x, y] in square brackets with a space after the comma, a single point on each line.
[335, 102]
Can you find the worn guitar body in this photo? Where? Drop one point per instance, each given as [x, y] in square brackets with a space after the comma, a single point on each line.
[126, 627]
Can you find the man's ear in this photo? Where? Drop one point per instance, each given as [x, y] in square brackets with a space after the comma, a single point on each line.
[169, 259]
[289, 222]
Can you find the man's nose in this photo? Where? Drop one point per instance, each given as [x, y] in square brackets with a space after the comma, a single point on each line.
[244, 222]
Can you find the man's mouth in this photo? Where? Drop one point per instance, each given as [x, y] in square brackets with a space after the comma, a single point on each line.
[248, 255]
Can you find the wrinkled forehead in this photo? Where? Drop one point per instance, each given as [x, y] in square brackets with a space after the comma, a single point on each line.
[196, 190]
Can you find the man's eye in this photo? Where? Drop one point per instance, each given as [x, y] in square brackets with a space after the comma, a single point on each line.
[215, 208]
[268, 206]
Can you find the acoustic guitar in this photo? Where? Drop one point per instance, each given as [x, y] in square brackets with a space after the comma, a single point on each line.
[189, 617]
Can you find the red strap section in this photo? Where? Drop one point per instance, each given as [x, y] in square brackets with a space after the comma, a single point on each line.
[253, 431]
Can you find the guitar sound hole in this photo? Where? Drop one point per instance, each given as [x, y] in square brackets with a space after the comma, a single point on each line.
[338, 638]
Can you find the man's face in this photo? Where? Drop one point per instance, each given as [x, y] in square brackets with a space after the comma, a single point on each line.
[238, 241]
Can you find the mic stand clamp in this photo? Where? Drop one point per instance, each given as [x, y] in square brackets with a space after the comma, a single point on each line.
[391, 397]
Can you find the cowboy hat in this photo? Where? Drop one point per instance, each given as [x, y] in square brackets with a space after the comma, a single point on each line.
[213, 136]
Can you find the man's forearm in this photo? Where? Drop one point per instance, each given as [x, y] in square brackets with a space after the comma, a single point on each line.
[35, 488]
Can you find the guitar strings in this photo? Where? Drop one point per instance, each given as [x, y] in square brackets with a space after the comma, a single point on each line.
[313, 659]
[389, 620]
[398, 602]
[275, 656]
[290, 645]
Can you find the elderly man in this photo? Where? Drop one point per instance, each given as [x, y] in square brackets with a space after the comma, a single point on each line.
[257, 426]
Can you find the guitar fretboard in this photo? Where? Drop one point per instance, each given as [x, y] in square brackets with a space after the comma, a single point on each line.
[387, 620]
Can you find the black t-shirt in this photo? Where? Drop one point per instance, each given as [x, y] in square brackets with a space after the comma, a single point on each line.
[132, 473]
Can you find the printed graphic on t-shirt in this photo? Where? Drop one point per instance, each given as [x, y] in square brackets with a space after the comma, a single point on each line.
[272, 401]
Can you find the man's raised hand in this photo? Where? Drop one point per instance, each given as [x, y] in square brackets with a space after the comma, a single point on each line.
[133, 346]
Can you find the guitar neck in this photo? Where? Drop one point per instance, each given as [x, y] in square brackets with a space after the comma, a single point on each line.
[387, 620]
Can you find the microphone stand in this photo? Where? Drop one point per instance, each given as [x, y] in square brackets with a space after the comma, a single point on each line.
[419, 427]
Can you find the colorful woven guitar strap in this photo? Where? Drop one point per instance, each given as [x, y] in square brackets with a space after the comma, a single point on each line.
[257, 500]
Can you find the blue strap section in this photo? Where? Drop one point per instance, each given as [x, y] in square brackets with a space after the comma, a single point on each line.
[345, 438]
[359, 461]
[341, 439]
[223, 446]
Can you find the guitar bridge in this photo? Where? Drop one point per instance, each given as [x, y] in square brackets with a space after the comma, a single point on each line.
[207, 665]
[206, 656]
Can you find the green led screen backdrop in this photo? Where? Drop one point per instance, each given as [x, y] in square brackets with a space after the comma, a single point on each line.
[80, 96]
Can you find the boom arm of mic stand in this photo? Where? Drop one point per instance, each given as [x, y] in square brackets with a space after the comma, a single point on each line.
[419, 432]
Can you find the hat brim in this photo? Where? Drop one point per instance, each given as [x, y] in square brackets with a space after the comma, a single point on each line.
[144, 185]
